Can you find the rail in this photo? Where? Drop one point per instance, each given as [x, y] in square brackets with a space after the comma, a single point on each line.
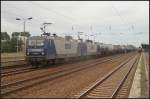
[100, 81]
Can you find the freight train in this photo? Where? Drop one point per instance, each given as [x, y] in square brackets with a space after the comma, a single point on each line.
[53, 49]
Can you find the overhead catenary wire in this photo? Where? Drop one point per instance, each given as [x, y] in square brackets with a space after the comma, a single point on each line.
[20, 14]
[58, 14]
[51, 10]
[39, 21]
[125, 21]
[66, 17]
[15, 14]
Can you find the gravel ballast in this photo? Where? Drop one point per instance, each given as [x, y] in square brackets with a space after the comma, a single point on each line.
[69, 85]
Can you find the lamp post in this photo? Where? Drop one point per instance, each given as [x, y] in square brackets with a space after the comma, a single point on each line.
[24, 24]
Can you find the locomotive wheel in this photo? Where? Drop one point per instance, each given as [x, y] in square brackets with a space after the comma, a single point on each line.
[44, 63]
[34, 64]
[53, 61]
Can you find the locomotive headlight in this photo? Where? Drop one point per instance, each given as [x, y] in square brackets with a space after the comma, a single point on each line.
[27, 53]
[42, 53]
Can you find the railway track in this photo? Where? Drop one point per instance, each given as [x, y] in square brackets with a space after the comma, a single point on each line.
[17, 69]
[12, 63]
[23, 84]
[109, 85]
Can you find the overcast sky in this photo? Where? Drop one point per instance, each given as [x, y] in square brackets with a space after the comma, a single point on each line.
[115, 22]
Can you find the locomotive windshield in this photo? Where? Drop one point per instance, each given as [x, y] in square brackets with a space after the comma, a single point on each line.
[39, 42]
[32, 42]
[36, 43]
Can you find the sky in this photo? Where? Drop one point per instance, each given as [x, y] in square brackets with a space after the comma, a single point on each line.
[111, 22]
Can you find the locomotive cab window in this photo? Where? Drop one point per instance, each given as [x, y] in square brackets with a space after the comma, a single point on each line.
[32, 42]
[36, 42]
[40, 42]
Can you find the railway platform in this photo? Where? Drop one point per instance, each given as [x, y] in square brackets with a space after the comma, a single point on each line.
[140, 85]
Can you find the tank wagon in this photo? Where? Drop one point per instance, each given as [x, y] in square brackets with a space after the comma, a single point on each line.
[110, 48]
[53, 49]
[104, 49]
[130, 48]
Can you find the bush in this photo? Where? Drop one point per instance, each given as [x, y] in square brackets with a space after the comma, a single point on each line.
[10, 45]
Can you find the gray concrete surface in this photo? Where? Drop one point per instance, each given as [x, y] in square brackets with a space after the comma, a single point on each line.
[135, 91]
[146, 61]
[140, 85]
[146, 64]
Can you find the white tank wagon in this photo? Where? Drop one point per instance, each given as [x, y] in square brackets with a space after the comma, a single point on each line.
[122, 49]
[130, 48]
[110, 48]
[103, 48]
[117, 49]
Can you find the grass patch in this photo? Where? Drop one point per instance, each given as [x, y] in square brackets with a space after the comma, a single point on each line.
[6, 55]
[12, 56]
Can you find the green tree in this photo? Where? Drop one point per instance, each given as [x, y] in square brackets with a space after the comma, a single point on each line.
[5, 42]
[15, 34]
[14, 43]
[5, 46]
[26, 34]
[10, 45]
[5, 36]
